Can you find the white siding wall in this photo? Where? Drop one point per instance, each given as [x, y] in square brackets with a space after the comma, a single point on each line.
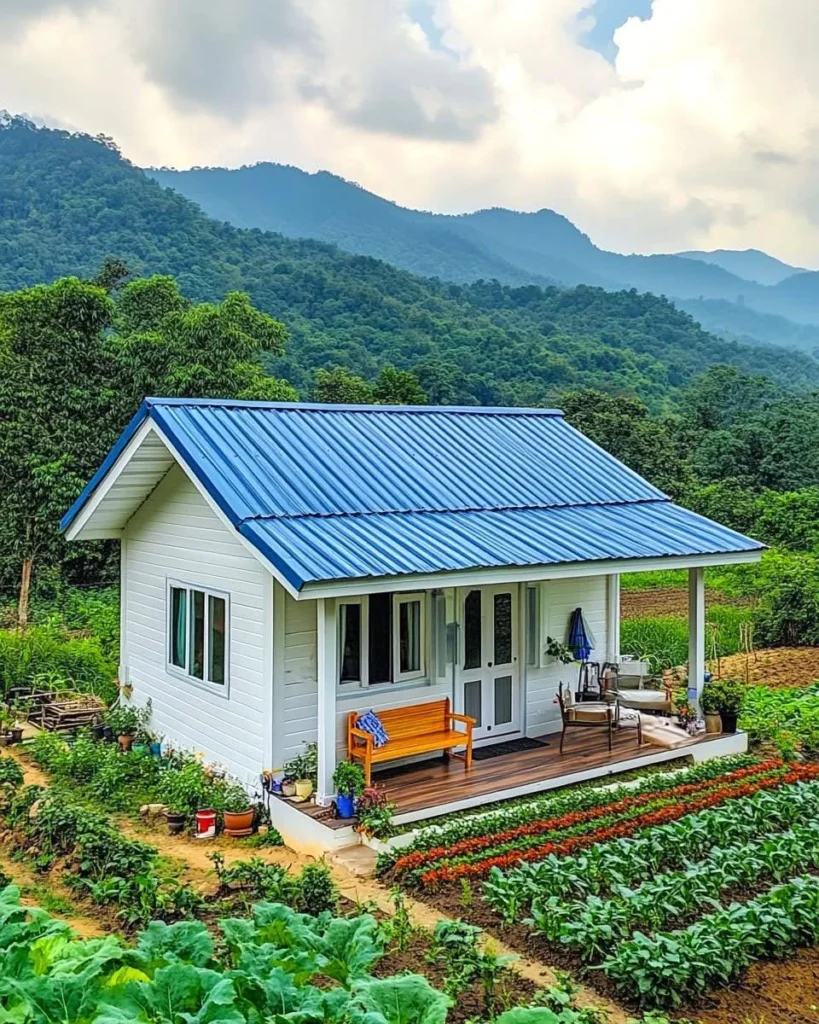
[559, 598]
[300, 697]
[176, 535]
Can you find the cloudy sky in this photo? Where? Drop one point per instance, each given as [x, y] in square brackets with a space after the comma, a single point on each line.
[655, 125]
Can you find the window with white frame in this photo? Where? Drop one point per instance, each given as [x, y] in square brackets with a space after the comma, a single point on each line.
[381, 639]
[198, 633]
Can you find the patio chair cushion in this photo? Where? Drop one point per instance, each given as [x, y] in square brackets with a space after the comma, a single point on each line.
[590, 712]
[371, 723]
[645, 700]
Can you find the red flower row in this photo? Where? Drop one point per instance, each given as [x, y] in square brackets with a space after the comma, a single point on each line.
[411, 861]
[661, 816]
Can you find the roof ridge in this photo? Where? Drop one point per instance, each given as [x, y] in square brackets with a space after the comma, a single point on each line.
[290, 517]
[417, 410]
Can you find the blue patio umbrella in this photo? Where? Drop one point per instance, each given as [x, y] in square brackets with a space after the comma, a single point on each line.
[579, 640]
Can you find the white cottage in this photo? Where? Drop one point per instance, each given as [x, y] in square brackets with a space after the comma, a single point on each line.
[284, 565]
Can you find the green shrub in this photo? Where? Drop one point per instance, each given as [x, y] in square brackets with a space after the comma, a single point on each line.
[46, 655]
[787, 718]
[119, 782]
[662, 640]
[317, 891]
[788, 609]
[11, 774]
[92, 612]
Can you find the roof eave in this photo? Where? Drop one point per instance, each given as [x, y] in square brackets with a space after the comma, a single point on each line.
[489, 576]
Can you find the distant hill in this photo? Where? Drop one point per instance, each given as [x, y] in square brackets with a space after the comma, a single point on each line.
[69, 201]
[511, 247]
[750, 264]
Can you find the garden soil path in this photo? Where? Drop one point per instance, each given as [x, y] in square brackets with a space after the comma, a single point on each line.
[781, 992]
[777, 667]
[637, 604]
[192, 852]
[31, 887]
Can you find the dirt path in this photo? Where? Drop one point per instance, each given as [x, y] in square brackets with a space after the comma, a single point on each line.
[49, 895]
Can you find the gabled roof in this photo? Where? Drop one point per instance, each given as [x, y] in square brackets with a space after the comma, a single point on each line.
[328, 492]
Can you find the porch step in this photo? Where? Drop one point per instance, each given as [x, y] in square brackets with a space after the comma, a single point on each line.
[358, 860]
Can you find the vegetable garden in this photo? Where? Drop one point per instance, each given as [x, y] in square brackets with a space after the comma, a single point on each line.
[655, 894]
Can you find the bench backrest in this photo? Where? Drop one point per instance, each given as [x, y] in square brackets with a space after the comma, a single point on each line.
[414, 720]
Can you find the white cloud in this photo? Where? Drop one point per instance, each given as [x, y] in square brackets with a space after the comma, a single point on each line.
[704, 133]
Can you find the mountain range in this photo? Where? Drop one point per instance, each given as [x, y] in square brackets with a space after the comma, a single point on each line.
[737, 294]
[69, 201]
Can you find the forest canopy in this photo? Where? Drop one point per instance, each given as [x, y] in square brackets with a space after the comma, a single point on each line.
[67, 202]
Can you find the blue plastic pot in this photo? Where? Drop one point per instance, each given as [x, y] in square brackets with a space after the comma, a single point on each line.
[155, 749]
[345, 805]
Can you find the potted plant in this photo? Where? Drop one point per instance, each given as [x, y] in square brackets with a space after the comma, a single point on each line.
[683, 710]
[709, 702]
[124, 723]
[11, 722]
[184, 789]
[238, 813]
[374, 813]
[730, 694]
[98, 728]
[348, 782]
[301, 772]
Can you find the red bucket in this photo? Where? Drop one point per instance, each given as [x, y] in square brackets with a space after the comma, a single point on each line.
[205, 824]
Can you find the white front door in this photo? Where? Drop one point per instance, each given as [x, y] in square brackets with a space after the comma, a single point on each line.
[488, 687]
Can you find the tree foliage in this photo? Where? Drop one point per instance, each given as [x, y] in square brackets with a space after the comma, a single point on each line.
[75, 362]
[70, 201]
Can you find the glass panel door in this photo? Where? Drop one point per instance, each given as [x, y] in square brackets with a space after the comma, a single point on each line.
[503, 693]
[473, 629]
[488, 684]
[473, 701]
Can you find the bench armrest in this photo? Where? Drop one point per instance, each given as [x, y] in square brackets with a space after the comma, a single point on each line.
[462, 718]
[361, 735]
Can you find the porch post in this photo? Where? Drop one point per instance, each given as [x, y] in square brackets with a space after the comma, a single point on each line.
[613, 618]
[696, 633]
[327, 662]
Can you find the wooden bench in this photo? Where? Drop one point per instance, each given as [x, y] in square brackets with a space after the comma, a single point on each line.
[418, 729]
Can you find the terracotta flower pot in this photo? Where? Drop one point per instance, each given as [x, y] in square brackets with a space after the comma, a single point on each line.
[239, 823]
[125, 742]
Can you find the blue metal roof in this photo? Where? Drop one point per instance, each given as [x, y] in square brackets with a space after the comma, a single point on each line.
[334, 492]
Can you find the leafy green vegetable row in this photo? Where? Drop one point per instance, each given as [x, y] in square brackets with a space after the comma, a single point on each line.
[553, 805]
[670, 968]
[277, 966]
[628, 862]
[593, 925]
[112, 869]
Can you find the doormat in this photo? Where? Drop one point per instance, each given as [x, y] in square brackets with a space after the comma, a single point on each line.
[512, 747]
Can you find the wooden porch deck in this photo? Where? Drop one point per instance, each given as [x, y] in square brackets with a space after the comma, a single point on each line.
[436, 786]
